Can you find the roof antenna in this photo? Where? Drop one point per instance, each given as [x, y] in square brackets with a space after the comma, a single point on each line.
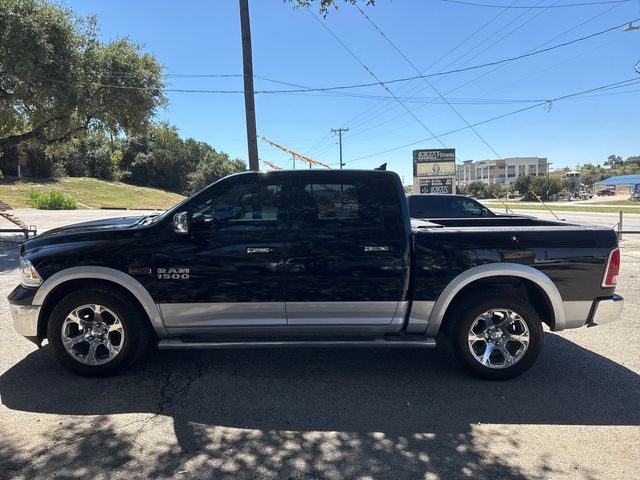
[381, 167]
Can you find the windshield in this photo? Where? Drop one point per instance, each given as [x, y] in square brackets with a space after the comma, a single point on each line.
[446, 206]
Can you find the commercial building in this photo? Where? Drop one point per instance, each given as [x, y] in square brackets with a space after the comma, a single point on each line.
[502, 172]
[621, 185]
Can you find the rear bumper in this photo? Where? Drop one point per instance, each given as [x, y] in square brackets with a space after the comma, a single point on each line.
[25, 320]
[606, 311]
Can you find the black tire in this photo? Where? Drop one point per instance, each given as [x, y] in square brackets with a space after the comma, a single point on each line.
[132, 343]
[464, 316]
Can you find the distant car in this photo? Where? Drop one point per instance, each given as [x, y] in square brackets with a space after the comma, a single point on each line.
[436, 205]
[583, 195]
[606, 193]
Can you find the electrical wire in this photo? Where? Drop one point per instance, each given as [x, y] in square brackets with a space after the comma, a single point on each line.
[504, 115]
[509, 60]
[370, 72]
[564, 5]
[356, 119]
[484, 74]
[455, 110]
[370, 84]
[502, 65]
[384, 110]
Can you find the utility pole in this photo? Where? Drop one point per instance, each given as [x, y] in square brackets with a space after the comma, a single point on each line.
[249, 103]
[548, 180]
[340, 131]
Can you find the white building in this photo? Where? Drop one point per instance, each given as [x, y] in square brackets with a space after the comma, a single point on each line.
[502, 172]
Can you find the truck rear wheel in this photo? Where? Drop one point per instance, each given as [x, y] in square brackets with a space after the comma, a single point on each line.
[497, 338]
[96, 332]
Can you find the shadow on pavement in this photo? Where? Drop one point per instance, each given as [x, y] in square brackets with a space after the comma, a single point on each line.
[9, 250]
[313, 413]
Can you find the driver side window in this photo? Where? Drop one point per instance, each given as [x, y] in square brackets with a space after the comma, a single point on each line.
[239, 205]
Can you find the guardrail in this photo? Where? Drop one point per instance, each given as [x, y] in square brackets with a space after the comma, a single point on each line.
[21, 226]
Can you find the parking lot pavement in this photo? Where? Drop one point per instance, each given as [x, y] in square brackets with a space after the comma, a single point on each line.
[326, 413]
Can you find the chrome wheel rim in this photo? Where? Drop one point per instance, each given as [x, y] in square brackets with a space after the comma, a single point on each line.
[498, 338]
[93, 334]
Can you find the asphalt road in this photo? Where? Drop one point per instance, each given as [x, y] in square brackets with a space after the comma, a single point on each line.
[630, 221]
[326, 413]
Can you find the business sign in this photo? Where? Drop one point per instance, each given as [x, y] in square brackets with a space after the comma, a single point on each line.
[434, 170]
[436, 185]
[636, 190]
[434, 162]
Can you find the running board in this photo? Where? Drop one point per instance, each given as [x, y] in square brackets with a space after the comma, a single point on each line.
[176, 344]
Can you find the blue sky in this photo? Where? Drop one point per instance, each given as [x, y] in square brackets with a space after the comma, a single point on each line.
[203, 37]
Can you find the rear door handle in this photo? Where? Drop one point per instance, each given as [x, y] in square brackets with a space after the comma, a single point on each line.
[376, 248]
[260, 250]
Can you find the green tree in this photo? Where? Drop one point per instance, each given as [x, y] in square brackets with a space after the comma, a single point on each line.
[544, 187]
[214, 166]
[477, 189]
[591, 174]
[495, 189]
[325, 5]
[521, 185]
[613, 161]
[57, 79]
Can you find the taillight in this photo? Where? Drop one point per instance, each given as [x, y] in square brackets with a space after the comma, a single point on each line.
[610, 278]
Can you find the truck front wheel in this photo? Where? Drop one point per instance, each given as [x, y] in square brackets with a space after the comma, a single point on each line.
[96, 332]
[498, 338]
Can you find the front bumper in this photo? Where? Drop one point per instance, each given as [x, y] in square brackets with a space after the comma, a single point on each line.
[25, 320]
[607, 311]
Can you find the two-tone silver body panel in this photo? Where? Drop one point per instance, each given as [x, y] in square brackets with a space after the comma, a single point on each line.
[376, 318]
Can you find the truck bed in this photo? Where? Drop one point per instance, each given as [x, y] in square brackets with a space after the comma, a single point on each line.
[571, 255]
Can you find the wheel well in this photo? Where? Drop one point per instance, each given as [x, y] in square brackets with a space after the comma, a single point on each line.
[67, 287]
[521, 287]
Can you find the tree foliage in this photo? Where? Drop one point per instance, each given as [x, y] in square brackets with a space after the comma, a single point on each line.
[57, 79]
[495, 189]
[214, 166]
[477, 189]
[158, 158]
[325, 5]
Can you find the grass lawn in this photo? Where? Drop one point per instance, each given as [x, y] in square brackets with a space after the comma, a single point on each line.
[89, 193]
[619, 202]
[567, 208]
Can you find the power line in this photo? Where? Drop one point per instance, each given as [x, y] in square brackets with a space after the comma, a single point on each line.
[538, 46]
[363, 85]
[500, 66]
[467, 51]
[455, 110]
[624, 83]
[413, 99]
[469, 37]
[521, 15]
[376, 78]
[564, 5]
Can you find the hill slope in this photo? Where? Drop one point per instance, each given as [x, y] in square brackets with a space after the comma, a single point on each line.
[89, 193]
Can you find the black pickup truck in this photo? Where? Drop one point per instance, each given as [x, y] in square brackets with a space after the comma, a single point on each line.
[311, 258]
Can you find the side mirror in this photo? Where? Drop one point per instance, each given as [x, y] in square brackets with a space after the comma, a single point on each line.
[181, 223]
[485, 212]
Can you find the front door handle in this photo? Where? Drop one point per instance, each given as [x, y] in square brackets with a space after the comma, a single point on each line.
[376, 248]
[260, 250]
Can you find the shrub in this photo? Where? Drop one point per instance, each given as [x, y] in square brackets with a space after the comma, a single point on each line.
[54, 200]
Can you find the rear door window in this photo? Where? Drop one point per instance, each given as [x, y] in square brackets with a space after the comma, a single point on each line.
[325, 202]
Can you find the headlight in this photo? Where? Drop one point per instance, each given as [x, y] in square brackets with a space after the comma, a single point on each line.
[30, 276]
